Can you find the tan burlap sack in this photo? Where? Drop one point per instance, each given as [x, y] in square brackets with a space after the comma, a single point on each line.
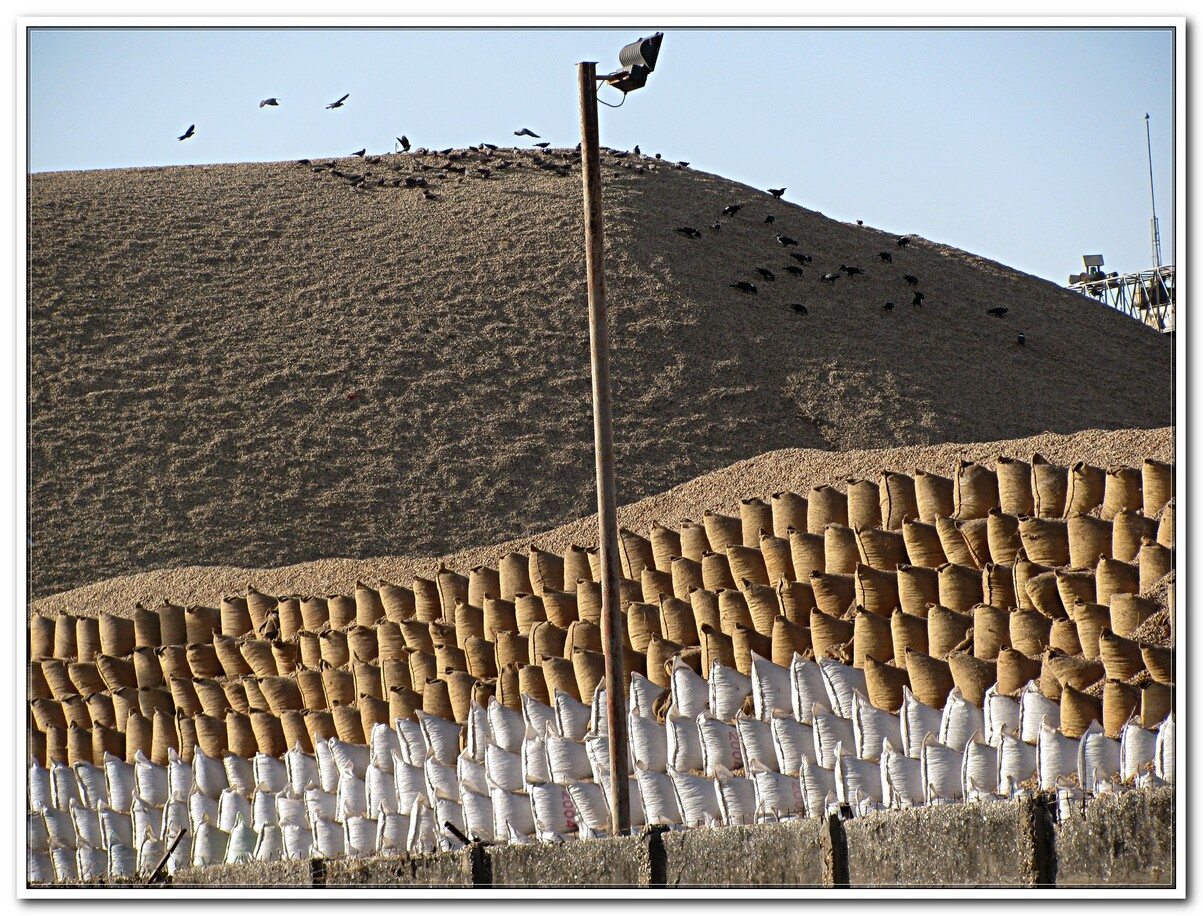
[946, 629]
[755, 515]
[789, 511]
[876, 591]
[923, 545]
[116, 636]
[1120, 703]
[1121, 657]
[342, 611]
[576, 567]
[825, 505]
[884, 684]
[952, 542]
[1049, 484]
[1014, 485]
[694, 541]
[808, 553]
[991, 631]
[686, 576]
[499, 616]
[660, 653]
[972, 676]
[763, 605]
[655, 583]
[898, 499]
[666, 544]
[747, 563]
[296, 735]
[146, 631]
[583, 635]
[635, 553]
[716, 647]
[403, 703]
[935, 495]
[1075, 585]
[677, 621]
[778, 558]
[1128, 531]
[907, 631]
[399, 602]
[704, 603]
[1157, 485]
[1002, 536]
[864, 503]
[732, 609]
[1086, 486]
[452, 588]
[960, 586]
[930, 678]
[1121, 490]
[1015, 669]
[871, 635]
[1078, 710]
[1111, 577]
[1089, 539]
[840, 553]
[1165, 524]
[1089, 621]
[788, 639]
[881, 549]
[918, 586]
[485, 582]
[1154, 562]
[1045, 540]
[1063, 636]
[835, 593]
[716, 571]
[976, 490]
[827, 631]
[722, 530]
[1156, 702]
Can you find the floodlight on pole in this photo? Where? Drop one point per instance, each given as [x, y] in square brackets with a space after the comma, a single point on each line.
[639, 59]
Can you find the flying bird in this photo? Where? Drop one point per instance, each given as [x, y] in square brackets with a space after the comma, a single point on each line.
[690, 231]
[188, 133]
[903, 241]
[404, 141]
[767, 274]
[911, 279]
[918, 300]
[744, 286]
[777, 192]
[272, 101]
[785, 241]
[799, 308]
[732, 210]
[886, 256]
[339, 103]
[526, 132]
[998, 311]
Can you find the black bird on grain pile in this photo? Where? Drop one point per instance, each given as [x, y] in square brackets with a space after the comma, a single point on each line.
[636, 150]
[795, 270]
[690, 231]
[683, 164]
[850, 271]
[526, 132]
[744, 287]
[732, 210]
[801, 258]
[188, 133]
[339, 103]
[777, 192]
[1021, 339]
[860, 222]
[769, 218]
[273, 102]
[404, 141]
[360, 152]
[543, 145]
[799, 308]
[767, 274]
[998, 311]
[886, 256]
[889, 307]
[903, 241]
[918, 300]
[829, 278]
[489, 146]
[911, 279]
[717, 227]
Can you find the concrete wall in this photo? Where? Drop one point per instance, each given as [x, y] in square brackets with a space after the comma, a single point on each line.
[790, 854]
[1118, 840]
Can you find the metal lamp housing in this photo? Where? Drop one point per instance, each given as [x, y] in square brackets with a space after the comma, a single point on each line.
[638, 60]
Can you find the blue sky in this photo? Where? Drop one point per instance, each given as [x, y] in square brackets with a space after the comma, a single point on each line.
[1026, 146]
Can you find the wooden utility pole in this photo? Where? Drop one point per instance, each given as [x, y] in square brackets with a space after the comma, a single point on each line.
[603, 437]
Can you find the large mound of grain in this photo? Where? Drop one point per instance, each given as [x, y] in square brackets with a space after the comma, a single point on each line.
[265, 364]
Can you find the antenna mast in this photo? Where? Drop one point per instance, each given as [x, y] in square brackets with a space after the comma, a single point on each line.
[1153, 198]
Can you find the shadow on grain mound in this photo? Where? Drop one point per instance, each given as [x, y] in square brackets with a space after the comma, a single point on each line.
[264, 364]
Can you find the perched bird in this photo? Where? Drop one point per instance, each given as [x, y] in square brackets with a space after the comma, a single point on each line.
[360, 152]
[1021, 339]
[785, 241]
[658, 156]
[404, 141]
[188, 133]
[526, 132]
[717, 227]
[860, 222]
[799, 308]
[795, 270]
[636, 150]
[889, 306]
[777, 192]
[302, 162]
[683, 164]
[918, 300]
[850, 270]
[998, 311]
[769, 218]
[744, 286]
[886, 256]
[339, 103]
[903, 241]
[801, 258]
[430, 195]
[732, 210]
[489, 146]
[543, 145]
[829, 278]
[272, 101]
[911, 279]
[767, 274]
[689, 231]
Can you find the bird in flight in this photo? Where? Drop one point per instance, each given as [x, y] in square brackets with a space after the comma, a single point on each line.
[273, 101]
[777, 192]
[339, 103]
[744, 286]
[785, 241]
[404, 141]
[188, 133]
[526, 132]
[997, 311]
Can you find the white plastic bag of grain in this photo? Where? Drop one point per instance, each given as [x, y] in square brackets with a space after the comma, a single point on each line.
[690, 692]
[649, 743]
[590, 803]
[1034, 709]
[916, 721]
[86, 824]
[829, 731]
[1137, 748]
[511, 811]
[1098, 758]
[448, 811]
[871, 726]
[181, 856]
[901, 778]
[941, 767]
[119, 776]
[328, 840]
[36, 835]
[181, 779]
[209, 845]
[1056, 756]
[240, 773]
[635, 794]
[597, 748]
[598, 722]
[39, 792]
[200, 808]
[123, 861]
[271, 774]
[659, 797]
[242, 843]
[410, 782]
[302, 769]
[503, 768]
[537, 715]
[777, 795]
[736, 797]
[960, 722]
[818, 782]
[150, 852]
[291, 808]
[697, 798]
[271, 844]
[507, 726]
[412, 741]
[1165, 753]
[298, 840]
[150, 780]
[842, 682]
[93, 787]
[92, 864]
[354, 758]
[382, 744]
[554, 810]
[1000, 714]
[39, 867]
[1017, 763]
[756, 741]
[440, 780]
[979, 768]
[441, 737]
[644, 695]
[567, 760]
[856, 780]
[477, 733]
[772, 688]
[66, 865]
[792, 740]
[720, 744]
[380, 787]
[478, 815]
[117, 827]
[728, 690]
[471, 774]
[572, 716]
[684, 743]
[230, 807]
[264, 808]
[807, 687]
[319, 803]
[392, 833]
[64, 786]
[534, 755]
[144, 820]
[352, 797]
[175, 818]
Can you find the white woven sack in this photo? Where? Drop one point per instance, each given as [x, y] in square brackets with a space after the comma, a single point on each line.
[818, 782]
[264, 809]
[871, 726]
[960, 722]
[39, 792]
[91, 863]
[302, 769]
[649, 743]
[644, 695]
[507, 726]
[901, 778]
[572, 716]
[328, 840]
[659, 797]
[321, 804]
[511, 811]
[150, 853]
[567, 760]
[119, 776]
[537, 715]
[271, 774]
[1035, 708]
[635, 796]
[230, 807]
[175, 819]
[383, 742]
[690, 692]
[941, 771]
[856, 780]
[66, 865]
[200, 809]
[503, 768]
[728, 691]
[380, 786]
[534, 755]
[1165, 754]
[590, 803]
[240, 773]
[412, 741]
[471, 774]
[1098, 758]
[829, 730]
[756, 741]
[554, 810]
[181, 779]
[916, 721]
[979, 768]
[271, 844]
[1000, 714]
[422, 838]
[841, 682]
[36, 836]
[39, 867]
[777, 795]
[298, 840]
[1056, 756]
[448, 811]
[441, 780]
[736, 797]
[1137, 748]
[478, 815]
[772, 688]
[352, 797]
[599, 723]
[697, 798]
[84, 821]
[1017, 764]
[392, 833]
[442, 737]
[792, 740]
[116, 826]
[807, 687]
[208, 846]
[720, 744]
[145, 820]
[478, 733]
[242, 843]
[64, 786]
[684, 743]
